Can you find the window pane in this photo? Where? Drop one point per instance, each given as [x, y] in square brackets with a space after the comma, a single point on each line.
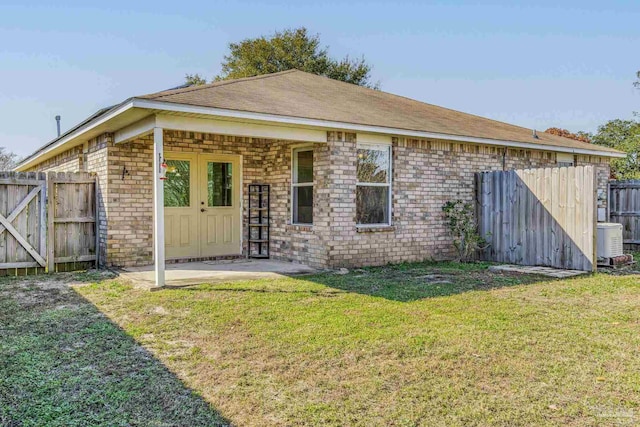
[177, 186]
[305, 166]
[219, 184]
[373, 165]
[303, 205]
[372, 205]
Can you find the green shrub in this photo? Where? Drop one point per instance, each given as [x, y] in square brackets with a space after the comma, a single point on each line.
[464, 229]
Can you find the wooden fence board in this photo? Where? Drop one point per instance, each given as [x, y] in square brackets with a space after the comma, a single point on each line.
[538, 216]
[3, 212]
[74, 220]
[47, 222]
[20, 220]
[624, 208]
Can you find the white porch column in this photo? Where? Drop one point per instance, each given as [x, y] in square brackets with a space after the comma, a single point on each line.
[158, 206]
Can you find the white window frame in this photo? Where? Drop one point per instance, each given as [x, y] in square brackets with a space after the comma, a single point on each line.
[294, 178]
[389, 183]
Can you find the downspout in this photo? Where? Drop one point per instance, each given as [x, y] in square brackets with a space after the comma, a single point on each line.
[504, 159]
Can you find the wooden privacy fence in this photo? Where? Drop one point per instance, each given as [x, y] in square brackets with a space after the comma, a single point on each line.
[544, 217]
[624, 208]
[47, 224]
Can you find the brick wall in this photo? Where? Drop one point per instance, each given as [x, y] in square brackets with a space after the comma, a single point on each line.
[130, 231]
[90, 157]
[96, 160]
[425, 175]
[68, 161]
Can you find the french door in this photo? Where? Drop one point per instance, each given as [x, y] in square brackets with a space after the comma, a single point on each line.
[202, 205]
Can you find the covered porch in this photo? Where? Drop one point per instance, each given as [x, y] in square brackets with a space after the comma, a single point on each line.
[200, 194]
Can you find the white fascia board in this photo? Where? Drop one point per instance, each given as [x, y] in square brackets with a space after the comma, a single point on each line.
[76, 133]
[193, 109]
[141, 127]
[247, 129]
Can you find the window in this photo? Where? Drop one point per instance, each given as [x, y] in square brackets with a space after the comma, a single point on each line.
[177, 188]
[219, 184]
[373, 189]
[302, 186]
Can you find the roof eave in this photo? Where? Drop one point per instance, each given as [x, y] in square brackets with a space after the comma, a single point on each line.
[300, 121]
[291, 120]
[74, 133]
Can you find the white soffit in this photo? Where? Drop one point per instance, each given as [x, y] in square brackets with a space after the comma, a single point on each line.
[227, 127]
[564, 158]
[371, 138]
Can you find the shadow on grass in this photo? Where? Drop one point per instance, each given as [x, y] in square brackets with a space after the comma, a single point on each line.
[414, 281]
[398, 282]
[63, 363]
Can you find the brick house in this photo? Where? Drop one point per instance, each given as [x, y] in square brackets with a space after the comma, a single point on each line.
[357, 176]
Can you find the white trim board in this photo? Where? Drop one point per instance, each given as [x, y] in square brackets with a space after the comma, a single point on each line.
[134, 130]
[227, 127]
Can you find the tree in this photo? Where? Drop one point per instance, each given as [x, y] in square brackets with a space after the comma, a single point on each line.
[623, 135]
[7, 159]
[194, 80]
[578, 136]
[288, 49]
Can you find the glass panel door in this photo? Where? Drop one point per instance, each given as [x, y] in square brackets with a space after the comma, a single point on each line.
[181, 221]
[219, 203]
[177, 187]
[219, 184]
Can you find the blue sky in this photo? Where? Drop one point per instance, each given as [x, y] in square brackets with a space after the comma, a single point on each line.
[552, 63]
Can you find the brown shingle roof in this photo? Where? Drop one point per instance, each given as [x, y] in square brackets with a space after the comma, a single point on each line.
[298, 94]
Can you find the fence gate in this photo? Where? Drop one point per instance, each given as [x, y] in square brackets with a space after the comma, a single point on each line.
[22, 220]
[47, 224]
[624, 208]
[544, 217]
[71, 221]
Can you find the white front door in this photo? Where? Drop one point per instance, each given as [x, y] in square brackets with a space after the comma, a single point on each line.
[202, 205]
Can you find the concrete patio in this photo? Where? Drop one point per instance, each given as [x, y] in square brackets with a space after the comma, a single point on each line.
[544, 271]
[193, 273]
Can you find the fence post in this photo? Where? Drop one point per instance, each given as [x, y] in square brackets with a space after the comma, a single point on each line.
[97, 223]
[594, 257]
[50, 222]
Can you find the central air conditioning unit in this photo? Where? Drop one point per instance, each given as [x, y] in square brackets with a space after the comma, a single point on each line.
[609, 240]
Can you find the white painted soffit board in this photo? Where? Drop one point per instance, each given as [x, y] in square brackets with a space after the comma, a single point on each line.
[372, 138]
[141, 127]
[246, 129]
[326, 124]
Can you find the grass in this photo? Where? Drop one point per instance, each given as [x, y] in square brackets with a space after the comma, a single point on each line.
[63, 363]
[408, 345]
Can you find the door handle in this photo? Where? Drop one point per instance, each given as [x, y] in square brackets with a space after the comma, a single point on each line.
[203, 210]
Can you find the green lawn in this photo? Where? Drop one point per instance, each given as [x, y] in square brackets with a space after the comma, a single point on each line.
[417, 344]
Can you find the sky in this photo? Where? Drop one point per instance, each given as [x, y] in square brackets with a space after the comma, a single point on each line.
[568, 64]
